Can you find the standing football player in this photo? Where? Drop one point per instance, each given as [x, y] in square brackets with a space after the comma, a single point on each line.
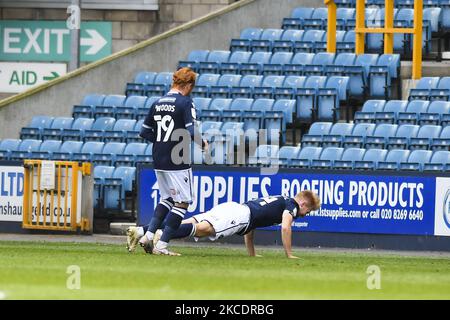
[167, 116]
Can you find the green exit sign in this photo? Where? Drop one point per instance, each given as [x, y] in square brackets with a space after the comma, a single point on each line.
[50, 40]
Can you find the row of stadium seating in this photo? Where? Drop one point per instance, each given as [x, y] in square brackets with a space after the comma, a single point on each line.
[370, 74]
[312, 40]
[443, 4]
[100, 153]
[431, 88]
[317, 18]
[382, 136]
[352, 158]
[82, 129]
[404, 112]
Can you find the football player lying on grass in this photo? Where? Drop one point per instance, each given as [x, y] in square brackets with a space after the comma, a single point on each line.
[231, 218]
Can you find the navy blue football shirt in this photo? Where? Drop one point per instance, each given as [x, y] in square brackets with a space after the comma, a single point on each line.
[268, 211]
[169, 113]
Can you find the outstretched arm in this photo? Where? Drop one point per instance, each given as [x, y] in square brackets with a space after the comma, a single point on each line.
[286, 234]
[249, 244]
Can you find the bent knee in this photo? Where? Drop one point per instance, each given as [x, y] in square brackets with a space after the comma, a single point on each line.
[204, 229]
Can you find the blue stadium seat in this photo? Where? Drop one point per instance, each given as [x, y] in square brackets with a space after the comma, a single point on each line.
[287, 41]
[76, 132]
[213, 62]
[263, 105]
[328, 98]
[442, 92]
[413, 110]
[7, 146]
[358, 136]
[287, 106]
[241, 104]
[133, 135]
[443, 142]
[390, 111]
[232, 131]
[256, 62]
[327, 158]
[424, 137]
[233, 65]
[246, 86]
[224, 85]
[98, 129]
[371, 159]
[36, 127]
[440, 161]
[318, 19]
[25, 149]
[210, 129]
[267, 89]
[265, 42]
[147, 157]
[318, 63]
[245, 39]
[93, 99]
[435, 112]
[367, 114]
[119, 131]
[306, 97]
[193, 59]
[309, 40]
[204, 83]
[381, 75]
[201, 103]
[88, 151]
[130, 154]
[393, 159]
[160, 86]
[402, 137]
[289, 88]
[416, 160]
[117, 188]
[220, 104]
[46, 150]
[359, 74]
[231, 115]
[131, 107]
[381, 136]
[348, 158]
[316, 133]
[109, 153]
[137, 87]
[277, 63]
[298, 63]
[108, 108]
[335, 137]
[67, 150]
[423, 87]
[100, 174]
[285, 155]
[263, 154]
[306, 156]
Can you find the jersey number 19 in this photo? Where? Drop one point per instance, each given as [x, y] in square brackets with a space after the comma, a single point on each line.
[165, 124]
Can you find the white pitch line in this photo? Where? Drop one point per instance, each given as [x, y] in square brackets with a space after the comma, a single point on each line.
[2, 295]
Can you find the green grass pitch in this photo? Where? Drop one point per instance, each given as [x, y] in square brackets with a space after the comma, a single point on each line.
[38, 270]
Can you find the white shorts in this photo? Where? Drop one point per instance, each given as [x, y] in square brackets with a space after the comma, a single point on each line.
[178, 185]
[227, 219]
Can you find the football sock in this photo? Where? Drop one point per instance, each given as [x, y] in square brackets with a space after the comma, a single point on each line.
[185, 230]
[161, 211]
[141, 231]
[173, 222]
